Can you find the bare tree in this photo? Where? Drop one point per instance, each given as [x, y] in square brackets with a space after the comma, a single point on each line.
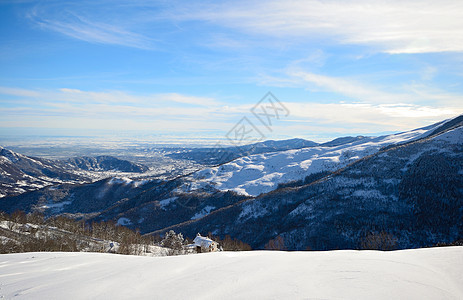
[278, 243]
[379, 241]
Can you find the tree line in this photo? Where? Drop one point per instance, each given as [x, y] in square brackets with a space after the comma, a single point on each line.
[33, 232]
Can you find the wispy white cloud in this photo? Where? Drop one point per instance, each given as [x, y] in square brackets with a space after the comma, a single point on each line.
[428, 73]
[395, 26]
[70, 23]
[67, 95]
[353, 90]
[18, 92]
[345, 87]
[179, 98]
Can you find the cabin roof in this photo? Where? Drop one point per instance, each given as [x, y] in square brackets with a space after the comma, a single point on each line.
[203, 241]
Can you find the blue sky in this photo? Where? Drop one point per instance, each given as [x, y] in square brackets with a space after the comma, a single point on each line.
[195, 68]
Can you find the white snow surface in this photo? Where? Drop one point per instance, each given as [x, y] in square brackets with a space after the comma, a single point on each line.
[166, 202]
[261, 173]
[433, 273]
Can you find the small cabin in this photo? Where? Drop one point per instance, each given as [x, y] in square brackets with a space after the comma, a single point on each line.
[204, 244]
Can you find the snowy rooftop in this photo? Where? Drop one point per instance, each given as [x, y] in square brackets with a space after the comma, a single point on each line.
[203, 241]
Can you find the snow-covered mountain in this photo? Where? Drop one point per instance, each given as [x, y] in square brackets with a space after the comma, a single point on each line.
[412, 191]
[105, 163]
[20, 173]
[345, 140]
[435, 273]
[220, 155]
[256, 174]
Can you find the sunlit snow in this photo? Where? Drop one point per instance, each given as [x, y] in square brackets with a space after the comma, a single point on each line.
[434, 273]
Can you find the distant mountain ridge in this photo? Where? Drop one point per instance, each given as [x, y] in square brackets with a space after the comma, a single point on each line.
[20, 173]
[261, 173]
[344, 140]
[220, 155]
[105, 163]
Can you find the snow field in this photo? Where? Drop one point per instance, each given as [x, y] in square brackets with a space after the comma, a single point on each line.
[433, 273]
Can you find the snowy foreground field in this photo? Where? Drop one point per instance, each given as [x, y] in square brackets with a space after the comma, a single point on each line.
[435, 273]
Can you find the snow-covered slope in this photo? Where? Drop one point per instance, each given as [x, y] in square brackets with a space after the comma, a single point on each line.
[20, 173]
[434, 273]
[261, 173]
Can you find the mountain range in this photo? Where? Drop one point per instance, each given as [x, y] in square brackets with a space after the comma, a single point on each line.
[20, 173]
[220, 155]
[405, 189]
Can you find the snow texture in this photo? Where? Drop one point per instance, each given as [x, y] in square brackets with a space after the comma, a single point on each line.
[433, 273]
